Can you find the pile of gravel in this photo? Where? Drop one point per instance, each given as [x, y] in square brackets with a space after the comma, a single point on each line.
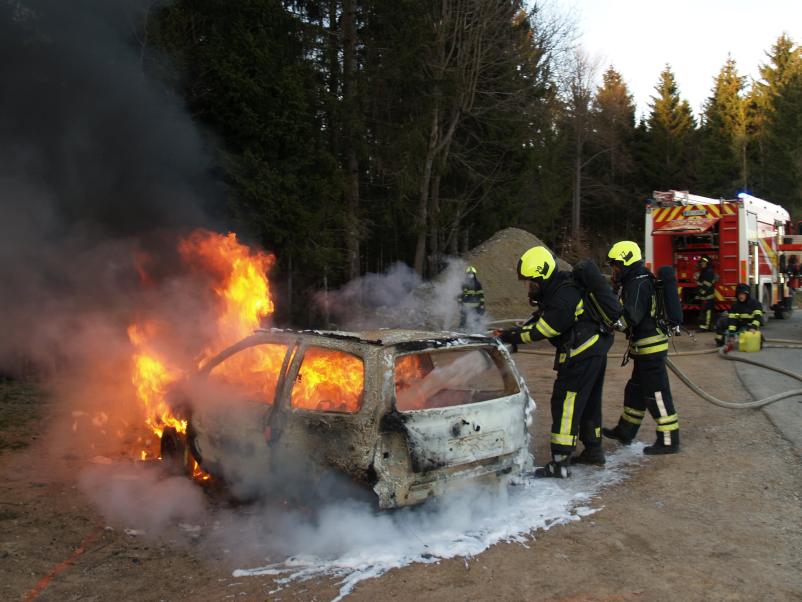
[496, 261]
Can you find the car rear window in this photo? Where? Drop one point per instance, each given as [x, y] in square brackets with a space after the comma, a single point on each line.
[439, 379]
[329, 381]
[253, 372]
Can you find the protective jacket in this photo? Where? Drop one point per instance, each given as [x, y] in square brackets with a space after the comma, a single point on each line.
[473, 296]
[706, 283]
[648, 388]
[639, 299]
[748, 314]
[565, 323]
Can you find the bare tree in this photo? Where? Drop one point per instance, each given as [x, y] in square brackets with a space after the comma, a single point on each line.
[473, 50]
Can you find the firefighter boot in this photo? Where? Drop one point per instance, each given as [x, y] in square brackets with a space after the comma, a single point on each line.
[556, 469]
[593, 455]
[667, 443]
[624, 432]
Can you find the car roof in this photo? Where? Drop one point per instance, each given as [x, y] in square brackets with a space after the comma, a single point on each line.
[386, 337]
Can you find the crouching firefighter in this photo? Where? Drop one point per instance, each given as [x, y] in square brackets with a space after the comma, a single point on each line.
[648, 387]
[580, 360]
[746, 314]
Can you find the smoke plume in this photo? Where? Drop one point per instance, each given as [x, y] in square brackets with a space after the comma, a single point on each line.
[399, 298]
[98, 164]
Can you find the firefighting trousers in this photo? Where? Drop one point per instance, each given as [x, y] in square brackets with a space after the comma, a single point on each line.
[576, 405]
[706, 314]
[648, 389]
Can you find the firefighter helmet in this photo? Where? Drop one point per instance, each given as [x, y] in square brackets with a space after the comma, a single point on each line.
[705, 259]
[537, 262]
[742, 288]
[626, 252]
[470, 270]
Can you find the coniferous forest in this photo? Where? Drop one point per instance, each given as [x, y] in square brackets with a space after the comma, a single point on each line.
[352, 134]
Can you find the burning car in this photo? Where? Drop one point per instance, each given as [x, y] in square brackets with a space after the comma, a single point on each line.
[401, 413]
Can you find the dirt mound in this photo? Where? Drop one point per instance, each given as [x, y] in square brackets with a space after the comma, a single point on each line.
[495, 261]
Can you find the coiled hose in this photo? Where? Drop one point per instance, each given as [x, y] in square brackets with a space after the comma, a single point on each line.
[722, 352]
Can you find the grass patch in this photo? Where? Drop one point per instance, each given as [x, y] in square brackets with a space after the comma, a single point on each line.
[21, 405]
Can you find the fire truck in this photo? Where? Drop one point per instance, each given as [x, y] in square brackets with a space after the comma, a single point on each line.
[748, 240]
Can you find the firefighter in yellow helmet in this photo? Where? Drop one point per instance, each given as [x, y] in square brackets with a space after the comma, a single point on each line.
[580, 359]
[472, 299]
[648, 387]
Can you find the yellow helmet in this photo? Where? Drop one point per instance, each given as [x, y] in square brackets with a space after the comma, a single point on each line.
[625, 251]
[537, 262]
[470, 270]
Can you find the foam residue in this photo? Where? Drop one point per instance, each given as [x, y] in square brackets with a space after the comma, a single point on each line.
[352, 543]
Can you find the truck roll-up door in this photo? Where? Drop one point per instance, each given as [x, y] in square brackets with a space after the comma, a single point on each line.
[685, 226]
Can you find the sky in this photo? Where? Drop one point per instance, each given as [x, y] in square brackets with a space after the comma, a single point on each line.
[638, 38]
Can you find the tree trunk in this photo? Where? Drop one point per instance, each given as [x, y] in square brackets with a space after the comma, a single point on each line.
[352, 163]
[575, 206]
[422, 219]
[434, 224]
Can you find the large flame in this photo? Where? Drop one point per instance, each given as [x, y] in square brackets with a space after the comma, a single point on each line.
[241, 282]
[242, 289]
[328, 380]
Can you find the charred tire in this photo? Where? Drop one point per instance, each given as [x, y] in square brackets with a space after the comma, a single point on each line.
[174, 452]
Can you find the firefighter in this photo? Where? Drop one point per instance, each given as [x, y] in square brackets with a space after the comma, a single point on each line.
[746, 314]
[472, 299]
[705, 292]
[580, 360]
[648, 387]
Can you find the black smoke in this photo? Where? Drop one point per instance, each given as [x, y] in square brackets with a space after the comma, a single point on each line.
[100, 167]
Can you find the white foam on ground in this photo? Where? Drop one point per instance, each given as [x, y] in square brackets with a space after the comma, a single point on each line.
[352, 543]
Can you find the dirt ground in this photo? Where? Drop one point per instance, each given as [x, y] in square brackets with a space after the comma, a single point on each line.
[720, 521]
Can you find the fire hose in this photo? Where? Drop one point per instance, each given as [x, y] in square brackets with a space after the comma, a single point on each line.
[723, 353]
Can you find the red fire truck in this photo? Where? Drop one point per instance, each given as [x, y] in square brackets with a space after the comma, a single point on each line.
[748, 239]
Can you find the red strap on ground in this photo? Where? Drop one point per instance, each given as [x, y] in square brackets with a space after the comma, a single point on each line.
[42, 584]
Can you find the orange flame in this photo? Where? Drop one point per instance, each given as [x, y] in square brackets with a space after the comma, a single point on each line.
[327, 381]
[239, 276]
[242, 282]
[330, 381]
[151, 379]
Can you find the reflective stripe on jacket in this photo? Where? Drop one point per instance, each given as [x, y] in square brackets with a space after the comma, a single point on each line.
[745, 315]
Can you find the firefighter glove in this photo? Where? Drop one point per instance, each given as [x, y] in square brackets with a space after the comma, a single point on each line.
[510, 336]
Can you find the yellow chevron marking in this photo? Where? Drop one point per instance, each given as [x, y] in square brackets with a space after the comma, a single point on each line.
[771, 255]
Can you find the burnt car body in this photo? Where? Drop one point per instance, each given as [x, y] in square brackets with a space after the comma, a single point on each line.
[400, 412]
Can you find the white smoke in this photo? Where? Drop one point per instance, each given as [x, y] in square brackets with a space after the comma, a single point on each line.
[138, 497]
[400, 298]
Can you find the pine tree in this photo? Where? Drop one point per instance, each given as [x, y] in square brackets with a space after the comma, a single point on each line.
[671, 128]
[610, 190]
[783, 146]
[722, 166]
[770, 145]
